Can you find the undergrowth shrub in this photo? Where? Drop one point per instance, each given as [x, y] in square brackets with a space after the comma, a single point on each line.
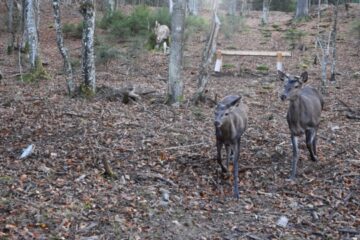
[294, 36]
[105, 54]
[75, 63]
[73, 30]
[355, 29]
[140, 22]
[108, 19]
[151, 41]
[276, 5]
[161, 15]
[232, 24]
[262, 68]
[196, 23]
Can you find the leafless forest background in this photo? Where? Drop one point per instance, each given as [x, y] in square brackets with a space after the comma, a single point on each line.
[60, 192]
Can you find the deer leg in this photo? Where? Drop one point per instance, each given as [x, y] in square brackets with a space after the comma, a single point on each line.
[295, 158]
[219, 147]
[236, 168]
[228, 155]
[314, 143]
[310, 139]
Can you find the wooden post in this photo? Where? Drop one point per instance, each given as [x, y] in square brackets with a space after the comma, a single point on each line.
[218, 63]
[279, 65]
[165, 47]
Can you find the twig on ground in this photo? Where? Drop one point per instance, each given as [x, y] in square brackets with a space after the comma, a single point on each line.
[348, 230]
[351, 114]
[254, 237]
[348, 197]
[156, 177]
[178, 147]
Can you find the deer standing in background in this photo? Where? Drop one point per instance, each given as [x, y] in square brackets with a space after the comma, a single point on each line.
[162, 33]
[303, 115]
[230, 123]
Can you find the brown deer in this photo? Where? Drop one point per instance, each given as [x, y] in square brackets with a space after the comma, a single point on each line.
[303, 115]
[230, 123]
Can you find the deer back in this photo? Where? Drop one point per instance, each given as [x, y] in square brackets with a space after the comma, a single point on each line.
[162, 32]
[305, 110]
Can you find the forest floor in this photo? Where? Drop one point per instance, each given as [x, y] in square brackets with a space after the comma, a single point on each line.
[159, 151]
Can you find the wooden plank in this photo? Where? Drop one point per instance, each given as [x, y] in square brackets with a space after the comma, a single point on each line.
[255, 53]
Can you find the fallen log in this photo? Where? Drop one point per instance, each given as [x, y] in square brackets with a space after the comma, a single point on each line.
[125, 95]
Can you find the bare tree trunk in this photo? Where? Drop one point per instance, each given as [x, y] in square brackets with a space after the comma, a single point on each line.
[265, 12]
[208, 54]
[37, 15]
[33, 41]
[23, 23]
[232, 7]
[110, 6]
[11, 27]
[193, 7]
[302, 9]
[87, 9]
[243, 7]
[171, 6]
[333, 40]
[62, 49]
[175, 83]
[324, 45]
[318, 21]
[250, 5]
[10, 5]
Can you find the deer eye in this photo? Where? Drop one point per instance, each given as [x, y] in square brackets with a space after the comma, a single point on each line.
[297, 86]
[226, 114]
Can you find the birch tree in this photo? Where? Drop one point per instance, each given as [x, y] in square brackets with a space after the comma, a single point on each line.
[62, 49]
[171, 6]
[175, 82]
[12, 23]
[232, 7]
[32, 33]
[87, 9]
[323, 42]
[333, 40]
[243, 7]
[37, 15]
[265, 12]
[207, 56]
[110, 6]
[302, 9]
[193, 6]
[10, 6]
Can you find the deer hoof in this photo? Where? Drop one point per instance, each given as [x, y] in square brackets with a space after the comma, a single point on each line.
[291, 178]
[314, 159]
[224, 170]
[237, 196]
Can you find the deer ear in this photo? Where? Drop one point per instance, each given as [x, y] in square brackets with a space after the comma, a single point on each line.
[230, 100]
[235, 101]
[304, 77]
[282, 75]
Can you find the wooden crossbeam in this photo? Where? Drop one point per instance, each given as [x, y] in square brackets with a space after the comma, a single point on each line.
[254, 53]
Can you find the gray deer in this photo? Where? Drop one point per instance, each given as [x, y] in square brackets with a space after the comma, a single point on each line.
[230, 123]
[303, 115]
